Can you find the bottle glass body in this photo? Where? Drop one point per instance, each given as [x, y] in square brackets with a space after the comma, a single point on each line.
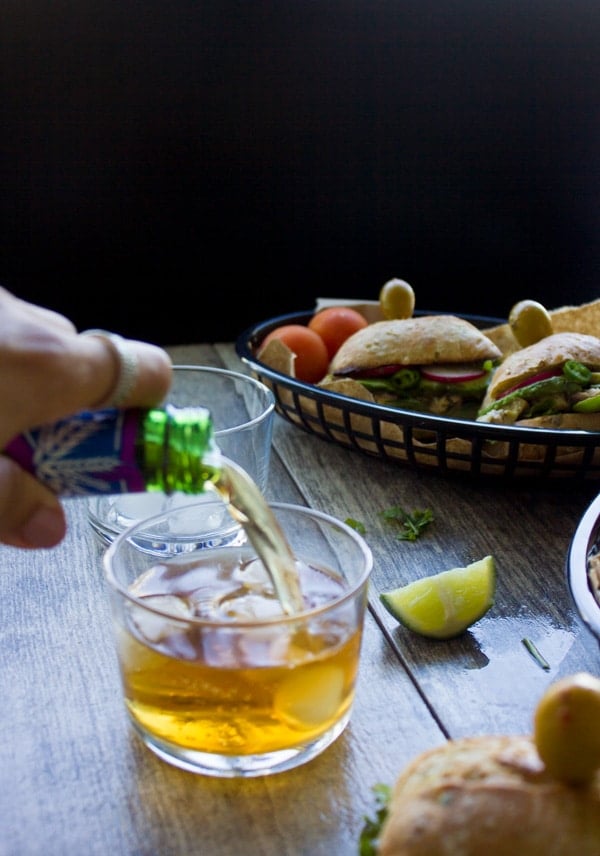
[122, 451]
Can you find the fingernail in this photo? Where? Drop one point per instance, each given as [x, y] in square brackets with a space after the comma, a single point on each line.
[45, 528]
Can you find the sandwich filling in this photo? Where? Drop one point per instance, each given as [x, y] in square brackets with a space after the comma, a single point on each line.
[451, 389]
[439, 364]
[572, 388]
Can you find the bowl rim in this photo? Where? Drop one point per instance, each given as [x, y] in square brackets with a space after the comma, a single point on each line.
[584, 538]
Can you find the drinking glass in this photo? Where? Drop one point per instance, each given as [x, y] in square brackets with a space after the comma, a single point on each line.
[242, 410]
[216, 678]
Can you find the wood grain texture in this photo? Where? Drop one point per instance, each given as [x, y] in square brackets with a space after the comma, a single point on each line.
[74, 779]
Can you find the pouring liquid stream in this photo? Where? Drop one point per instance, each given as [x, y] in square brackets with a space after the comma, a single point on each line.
[247, 506]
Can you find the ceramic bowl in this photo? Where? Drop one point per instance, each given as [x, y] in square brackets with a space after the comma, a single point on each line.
[585, 545]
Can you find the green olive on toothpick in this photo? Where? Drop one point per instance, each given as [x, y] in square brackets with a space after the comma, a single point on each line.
[529, 322]
[397, 299]
[566, 728]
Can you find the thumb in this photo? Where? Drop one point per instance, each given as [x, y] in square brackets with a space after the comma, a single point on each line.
[30, 515]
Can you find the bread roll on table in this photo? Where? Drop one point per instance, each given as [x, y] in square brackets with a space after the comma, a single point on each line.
[489, 796]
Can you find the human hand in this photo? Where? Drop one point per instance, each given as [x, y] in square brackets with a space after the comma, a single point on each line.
[49, 371]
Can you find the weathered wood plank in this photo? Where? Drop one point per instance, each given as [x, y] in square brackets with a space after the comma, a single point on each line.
[74, 779]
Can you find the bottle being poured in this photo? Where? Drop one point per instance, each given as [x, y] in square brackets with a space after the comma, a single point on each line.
[162, 449]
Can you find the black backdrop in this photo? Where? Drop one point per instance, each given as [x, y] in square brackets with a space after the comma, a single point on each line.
[179, 170]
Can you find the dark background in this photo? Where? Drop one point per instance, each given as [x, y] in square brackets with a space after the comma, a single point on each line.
[180, 170]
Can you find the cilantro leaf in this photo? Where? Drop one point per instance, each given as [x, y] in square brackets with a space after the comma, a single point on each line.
[411, 524]
[372, 827]
[356, 525]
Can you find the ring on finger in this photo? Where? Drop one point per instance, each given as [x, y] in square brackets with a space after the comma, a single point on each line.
[128, 367]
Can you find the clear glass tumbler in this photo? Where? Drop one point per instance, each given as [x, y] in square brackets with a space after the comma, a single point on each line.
[216, 678]
[242, 410]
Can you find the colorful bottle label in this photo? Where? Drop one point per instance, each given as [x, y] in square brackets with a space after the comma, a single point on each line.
[90, 453]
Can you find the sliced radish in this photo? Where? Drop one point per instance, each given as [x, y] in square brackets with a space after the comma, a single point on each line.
[534, 379]
[378, 371]
[452, 373]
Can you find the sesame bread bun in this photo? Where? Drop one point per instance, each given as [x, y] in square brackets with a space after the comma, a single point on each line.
[489, 796]
[422, 340]
[563, 422]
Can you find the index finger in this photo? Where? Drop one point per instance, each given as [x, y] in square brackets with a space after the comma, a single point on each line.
[141, 371]
[49, 371]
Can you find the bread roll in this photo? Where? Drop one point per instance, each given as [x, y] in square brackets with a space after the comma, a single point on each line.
[489, 796]
[424, 340]
[563, 421]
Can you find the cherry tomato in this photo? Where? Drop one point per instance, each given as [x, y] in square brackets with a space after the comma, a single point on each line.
[312, 359]
[335, 324]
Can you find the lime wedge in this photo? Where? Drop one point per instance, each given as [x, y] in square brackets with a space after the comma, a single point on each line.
[446, 604]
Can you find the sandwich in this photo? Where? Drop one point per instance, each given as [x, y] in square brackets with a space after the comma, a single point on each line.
[489, 795]
[439, 364]
[554, 383]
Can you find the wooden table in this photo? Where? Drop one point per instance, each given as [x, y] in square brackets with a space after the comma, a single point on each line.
[74, 778]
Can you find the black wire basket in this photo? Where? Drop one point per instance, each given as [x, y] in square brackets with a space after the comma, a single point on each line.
[420, 440]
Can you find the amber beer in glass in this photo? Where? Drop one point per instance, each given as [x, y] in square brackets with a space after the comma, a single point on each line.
[217, 678]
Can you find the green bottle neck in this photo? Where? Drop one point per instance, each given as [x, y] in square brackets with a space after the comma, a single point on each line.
[177, 449]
